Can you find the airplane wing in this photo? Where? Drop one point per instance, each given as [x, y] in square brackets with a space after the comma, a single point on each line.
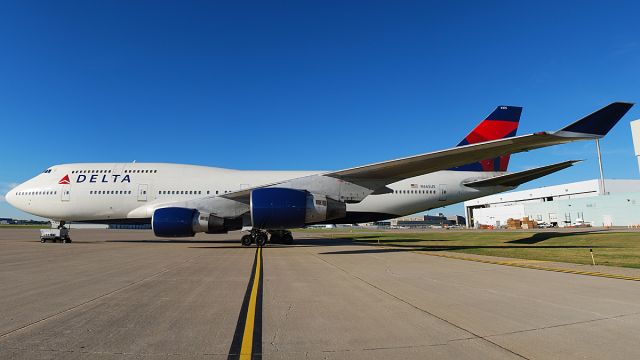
[377, 175]
[592, 126]
[521, 177]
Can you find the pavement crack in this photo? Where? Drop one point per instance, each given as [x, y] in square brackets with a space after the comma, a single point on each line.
[613, 317]
[72, 308]
[421, 309]
[277, 329]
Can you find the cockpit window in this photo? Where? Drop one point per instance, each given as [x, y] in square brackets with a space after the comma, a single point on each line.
[46, 171]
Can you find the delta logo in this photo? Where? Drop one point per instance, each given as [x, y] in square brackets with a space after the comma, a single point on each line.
[96, 178]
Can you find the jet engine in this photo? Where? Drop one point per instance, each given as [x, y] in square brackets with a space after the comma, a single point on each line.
[280, 208]
[183, 222]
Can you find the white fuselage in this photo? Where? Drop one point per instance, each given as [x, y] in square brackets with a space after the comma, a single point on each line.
[131, 191]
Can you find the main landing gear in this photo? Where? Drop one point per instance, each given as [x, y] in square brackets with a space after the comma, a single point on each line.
[257, 236]
[281, 237]
[260, 237]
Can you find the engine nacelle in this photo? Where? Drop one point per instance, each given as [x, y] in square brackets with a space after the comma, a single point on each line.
[184, 222]
[280, 208]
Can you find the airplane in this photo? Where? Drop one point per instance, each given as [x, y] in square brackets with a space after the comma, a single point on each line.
[182, 200]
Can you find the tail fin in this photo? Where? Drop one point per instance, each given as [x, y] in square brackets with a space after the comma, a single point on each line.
[501, 123]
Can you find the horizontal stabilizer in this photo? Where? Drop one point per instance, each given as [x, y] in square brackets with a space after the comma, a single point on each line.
[600, 122]
[521, 177]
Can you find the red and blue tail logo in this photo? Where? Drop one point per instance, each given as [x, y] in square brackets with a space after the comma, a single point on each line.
[501, 123]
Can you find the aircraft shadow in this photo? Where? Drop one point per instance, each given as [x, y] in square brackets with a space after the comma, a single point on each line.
[400, 248]
[376, 238]
[542, 236]
[175, 241]
[305, 242]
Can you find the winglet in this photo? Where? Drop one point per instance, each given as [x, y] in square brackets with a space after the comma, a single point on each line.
[598, 123]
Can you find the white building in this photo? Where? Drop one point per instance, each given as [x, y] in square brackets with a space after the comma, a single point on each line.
[561, 205]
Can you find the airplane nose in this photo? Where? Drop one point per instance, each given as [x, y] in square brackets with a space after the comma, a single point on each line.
[10, 196]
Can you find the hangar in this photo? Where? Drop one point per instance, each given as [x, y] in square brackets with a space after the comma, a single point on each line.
[599, 202]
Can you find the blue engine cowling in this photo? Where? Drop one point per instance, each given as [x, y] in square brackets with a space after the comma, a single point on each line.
[174, 222]
[278, 208]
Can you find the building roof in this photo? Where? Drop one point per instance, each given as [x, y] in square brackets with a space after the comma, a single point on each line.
[565, 191]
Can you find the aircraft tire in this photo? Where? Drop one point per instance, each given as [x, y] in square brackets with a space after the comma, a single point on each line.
[287, 238]
[275, 239]
[246, 240]
[261, 239]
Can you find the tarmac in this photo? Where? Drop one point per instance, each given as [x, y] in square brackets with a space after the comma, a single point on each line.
[120, 294]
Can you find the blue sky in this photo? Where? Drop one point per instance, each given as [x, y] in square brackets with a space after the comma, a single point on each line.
[305, 84]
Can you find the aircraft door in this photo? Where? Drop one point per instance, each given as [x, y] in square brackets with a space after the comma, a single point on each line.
[142, 192]
[65, 192]
[442, 192]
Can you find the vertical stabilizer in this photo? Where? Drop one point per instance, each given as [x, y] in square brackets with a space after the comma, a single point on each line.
[501, 123]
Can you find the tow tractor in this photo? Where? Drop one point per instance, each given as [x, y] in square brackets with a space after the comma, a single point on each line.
[55, 234]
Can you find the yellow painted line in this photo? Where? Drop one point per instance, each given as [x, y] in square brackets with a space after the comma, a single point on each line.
[247, 337]
[527, 265]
